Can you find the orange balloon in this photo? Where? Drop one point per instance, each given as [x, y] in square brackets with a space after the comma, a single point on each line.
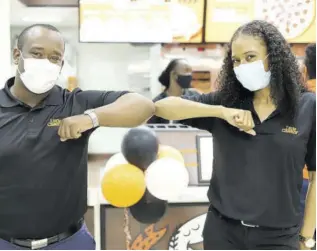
[170, 152]
[123, 185]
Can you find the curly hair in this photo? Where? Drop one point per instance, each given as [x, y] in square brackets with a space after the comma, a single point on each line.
[286, 83]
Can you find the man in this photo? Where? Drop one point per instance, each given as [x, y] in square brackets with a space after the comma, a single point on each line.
[44, 132]
[309, 70]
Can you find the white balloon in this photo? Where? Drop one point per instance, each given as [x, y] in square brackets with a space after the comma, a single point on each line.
[114, 160]
[166, 178]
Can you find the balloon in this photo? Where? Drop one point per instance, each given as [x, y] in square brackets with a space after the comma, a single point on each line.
[112, 162]
[123, 185]
[166, 178]
[170, 152]
[149, 209]
[140, 146]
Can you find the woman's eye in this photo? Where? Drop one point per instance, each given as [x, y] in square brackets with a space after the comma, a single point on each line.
[250, 57]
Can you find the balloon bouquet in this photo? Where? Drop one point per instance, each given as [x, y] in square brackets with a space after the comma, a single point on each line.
[143, 177]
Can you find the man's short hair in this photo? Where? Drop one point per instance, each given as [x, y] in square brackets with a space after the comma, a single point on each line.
[21, 37]
[310, 61]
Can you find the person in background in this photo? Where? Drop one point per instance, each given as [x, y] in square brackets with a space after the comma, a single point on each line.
[44, 132]
[263, 123]
[176, 78]
[310, 67]
[309, 71]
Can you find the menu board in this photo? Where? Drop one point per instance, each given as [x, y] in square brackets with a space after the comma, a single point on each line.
[187, 20]
[295, 19]
[141, 21]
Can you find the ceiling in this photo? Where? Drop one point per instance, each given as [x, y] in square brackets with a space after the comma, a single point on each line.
[21, 15]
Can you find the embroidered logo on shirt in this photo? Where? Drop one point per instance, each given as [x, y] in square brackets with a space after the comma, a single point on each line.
[54, 122]
[290, 130]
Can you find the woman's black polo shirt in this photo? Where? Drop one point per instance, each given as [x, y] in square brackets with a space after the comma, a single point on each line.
[43, 181]
[258, 179]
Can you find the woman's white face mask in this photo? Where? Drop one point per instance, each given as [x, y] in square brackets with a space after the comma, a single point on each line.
[253, 76]
[40, 75]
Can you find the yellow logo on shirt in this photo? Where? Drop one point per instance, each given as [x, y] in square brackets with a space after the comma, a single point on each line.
[290, 130]
[54, 122]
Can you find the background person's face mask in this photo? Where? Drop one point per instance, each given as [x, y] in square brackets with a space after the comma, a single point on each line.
[184, 81]
[40, 75]
[253, 75]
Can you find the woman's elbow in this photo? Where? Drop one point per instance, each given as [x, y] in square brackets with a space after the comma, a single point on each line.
[164, 107]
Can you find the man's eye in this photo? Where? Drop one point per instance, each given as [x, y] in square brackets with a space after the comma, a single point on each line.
[36, 54]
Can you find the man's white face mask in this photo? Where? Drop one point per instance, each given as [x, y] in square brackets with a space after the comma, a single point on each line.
[40, 75]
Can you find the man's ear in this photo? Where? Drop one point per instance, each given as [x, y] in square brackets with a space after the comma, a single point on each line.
[16, 56]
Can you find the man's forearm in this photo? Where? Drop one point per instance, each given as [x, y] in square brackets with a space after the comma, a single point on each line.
[309, 224]
[174, 108]
[130, 110]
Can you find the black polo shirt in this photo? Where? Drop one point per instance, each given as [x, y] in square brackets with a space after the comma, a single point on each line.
[258, 178]
[43, 181]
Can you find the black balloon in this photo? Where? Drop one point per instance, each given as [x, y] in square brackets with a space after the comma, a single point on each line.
[140, 146]
[149, 209]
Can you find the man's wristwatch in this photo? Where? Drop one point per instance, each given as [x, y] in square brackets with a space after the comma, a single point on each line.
[92, 115]
[308, 242]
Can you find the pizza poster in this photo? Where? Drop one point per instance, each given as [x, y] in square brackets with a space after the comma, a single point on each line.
[295, 19]
[124, 21]
[141, 21]
[180, 229]
[187, 19]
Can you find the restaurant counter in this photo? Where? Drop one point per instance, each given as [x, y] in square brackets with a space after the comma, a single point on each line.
[181, 226]
[179, 229]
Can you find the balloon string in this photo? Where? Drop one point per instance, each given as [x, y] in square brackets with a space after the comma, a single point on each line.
[126, 228]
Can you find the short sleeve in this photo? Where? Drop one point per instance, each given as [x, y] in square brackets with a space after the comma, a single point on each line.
[94, 99]
[201, 123]
[311, 145]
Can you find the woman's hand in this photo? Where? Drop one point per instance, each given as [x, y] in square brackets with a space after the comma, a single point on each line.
[241, 119]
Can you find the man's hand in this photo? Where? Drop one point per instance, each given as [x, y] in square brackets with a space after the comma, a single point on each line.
[241, 119]
[73, 127]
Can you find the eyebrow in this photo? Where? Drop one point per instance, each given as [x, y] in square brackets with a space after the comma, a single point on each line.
[41, 48]
[250, 52]
[57, 52]
[233, 56]
[37, 48]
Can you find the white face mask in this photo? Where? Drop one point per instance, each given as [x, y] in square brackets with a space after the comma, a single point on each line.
[253, 75]
[40, 75]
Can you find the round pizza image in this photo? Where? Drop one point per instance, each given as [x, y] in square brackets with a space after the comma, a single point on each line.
[291, 17]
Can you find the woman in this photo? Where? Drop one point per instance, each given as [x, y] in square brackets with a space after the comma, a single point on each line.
[263, 123]
[176, 79]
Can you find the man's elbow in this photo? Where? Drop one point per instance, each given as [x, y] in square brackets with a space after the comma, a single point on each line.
[146, 110]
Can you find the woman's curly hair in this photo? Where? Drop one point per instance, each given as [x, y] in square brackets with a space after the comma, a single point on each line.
[286, 79]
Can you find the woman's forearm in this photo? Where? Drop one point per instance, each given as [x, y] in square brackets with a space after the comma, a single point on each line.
[309, 225]
[174, 108]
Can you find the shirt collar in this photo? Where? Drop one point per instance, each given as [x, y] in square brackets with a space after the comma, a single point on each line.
[54, 98]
